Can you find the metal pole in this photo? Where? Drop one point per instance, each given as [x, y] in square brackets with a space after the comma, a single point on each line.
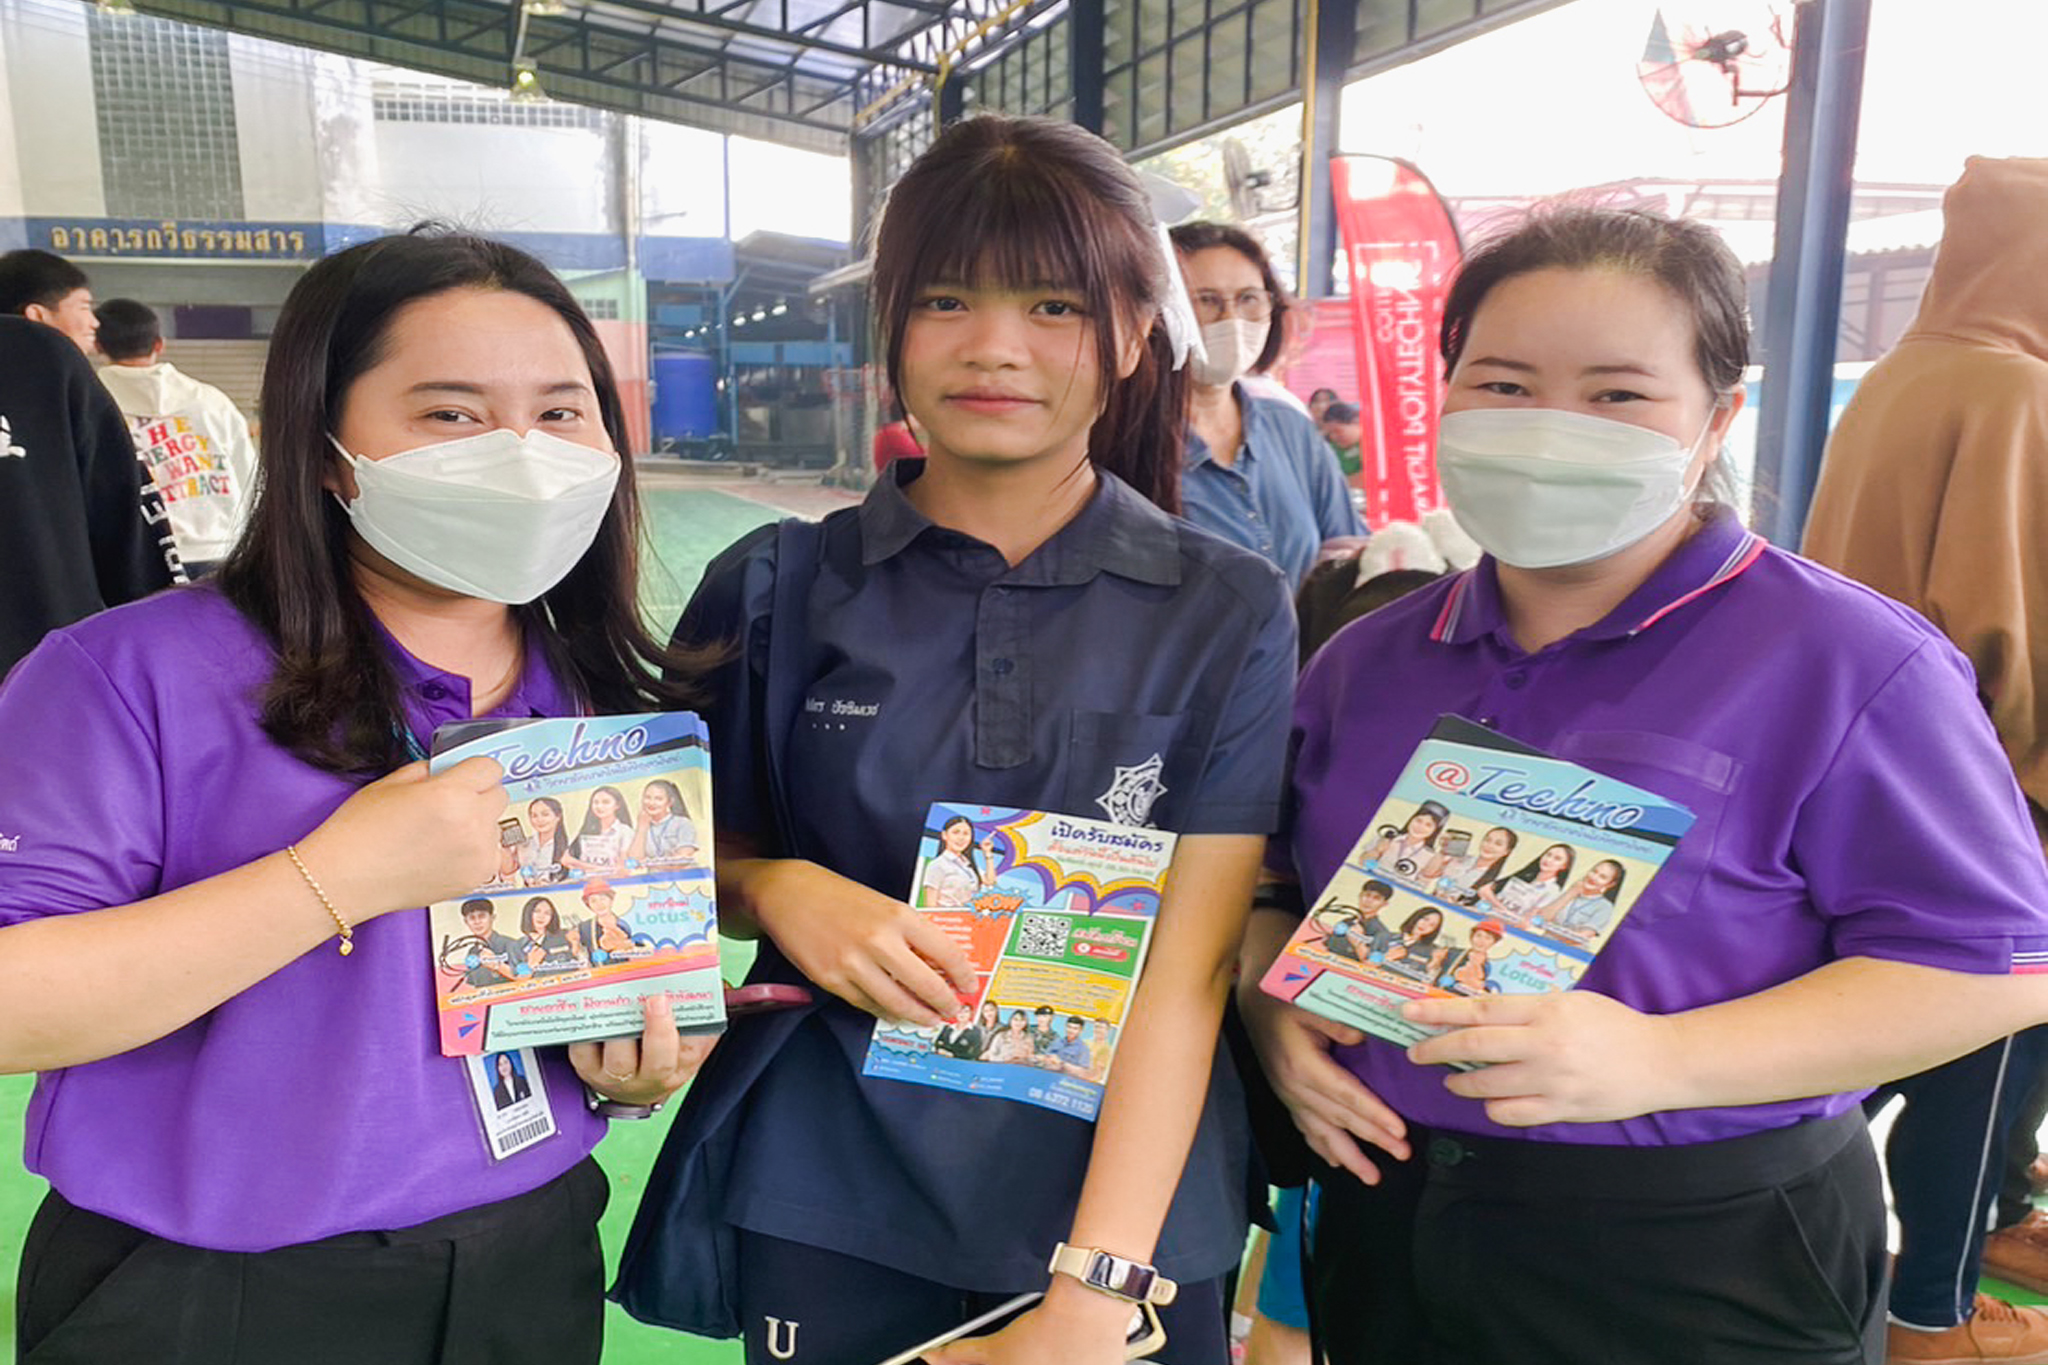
[1803, 297]
[1084, 61]
[1332, 34]
[725, 298]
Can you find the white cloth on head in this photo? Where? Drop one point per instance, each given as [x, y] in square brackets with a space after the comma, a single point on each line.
[1171, 203]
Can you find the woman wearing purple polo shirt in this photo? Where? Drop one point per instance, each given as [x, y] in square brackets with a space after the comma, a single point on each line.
[255, 1148]
[1670, 1161]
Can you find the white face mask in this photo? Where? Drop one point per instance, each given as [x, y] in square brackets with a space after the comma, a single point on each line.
[1231, 346]
[1538, 488]
[497, 516]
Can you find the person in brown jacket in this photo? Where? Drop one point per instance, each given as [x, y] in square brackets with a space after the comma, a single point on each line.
[1934, 491]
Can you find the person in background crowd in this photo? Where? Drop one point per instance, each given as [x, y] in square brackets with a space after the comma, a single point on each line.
[44, 287]
[1935, 492]
[897, 440]
[1257, 473]
[76, 529]
[1319, 403]
[190, 436]
[1343, 430]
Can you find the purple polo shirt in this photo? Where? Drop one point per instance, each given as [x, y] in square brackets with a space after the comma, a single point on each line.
[1851, 798]
[313, 1103]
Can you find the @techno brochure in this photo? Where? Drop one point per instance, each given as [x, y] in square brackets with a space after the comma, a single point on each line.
[1055, 912]
[1490, 868]
[603, 894]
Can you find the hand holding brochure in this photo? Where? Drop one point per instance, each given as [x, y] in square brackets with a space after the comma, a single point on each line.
[1490, 868]
[1056, 913]
[604, 893]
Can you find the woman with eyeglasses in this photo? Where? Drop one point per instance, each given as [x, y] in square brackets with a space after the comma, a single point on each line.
[1258, 472]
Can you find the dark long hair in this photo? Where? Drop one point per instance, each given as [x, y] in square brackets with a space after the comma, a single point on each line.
[334, 699]
[676, 805]
[1496, 870]
[591, 824]
[561, 840]
[1428, 940]
[968, 855]
[1018, 203]
[555, 925]
[1533, 869]
[1188, 238]
[1613, 892]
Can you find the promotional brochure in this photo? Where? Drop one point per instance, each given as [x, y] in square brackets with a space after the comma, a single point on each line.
[604, 891]
[1055, 912]
[1489, 868]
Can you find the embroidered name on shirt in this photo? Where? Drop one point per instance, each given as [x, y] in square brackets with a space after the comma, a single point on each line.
[7, 446]
[817, 706]
[10, 843]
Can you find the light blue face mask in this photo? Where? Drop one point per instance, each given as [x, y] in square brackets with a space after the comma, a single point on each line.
[498, 516]
[1539, 488]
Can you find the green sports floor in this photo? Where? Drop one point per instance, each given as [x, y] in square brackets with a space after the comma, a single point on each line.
[687, 525]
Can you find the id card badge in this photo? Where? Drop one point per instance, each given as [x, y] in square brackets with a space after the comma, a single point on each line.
[511, 1100]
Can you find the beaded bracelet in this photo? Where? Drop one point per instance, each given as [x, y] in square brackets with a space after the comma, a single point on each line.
[348, 931]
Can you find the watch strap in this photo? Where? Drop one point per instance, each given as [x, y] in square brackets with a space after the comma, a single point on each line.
[1107, 1273]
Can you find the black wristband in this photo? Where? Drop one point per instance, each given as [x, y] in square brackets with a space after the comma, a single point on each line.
[1282, 896]
[605, 1107]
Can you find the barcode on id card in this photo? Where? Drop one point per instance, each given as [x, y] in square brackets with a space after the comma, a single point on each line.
[512, 1139]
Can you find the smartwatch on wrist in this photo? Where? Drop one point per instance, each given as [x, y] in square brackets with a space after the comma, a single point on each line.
[1105, 1273]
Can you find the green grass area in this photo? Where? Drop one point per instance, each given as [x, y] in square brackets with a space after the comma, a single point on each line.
[685, 528]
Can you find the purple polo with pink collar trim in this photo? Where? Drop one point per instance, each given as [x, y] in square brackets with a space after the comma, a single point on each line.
[316, 1101]
[1852, 800]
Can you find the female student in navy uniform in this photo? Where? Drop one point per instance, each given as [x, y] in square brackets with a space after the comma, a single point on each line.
[316, 1183]
[1669, 1161]
[1079, 650]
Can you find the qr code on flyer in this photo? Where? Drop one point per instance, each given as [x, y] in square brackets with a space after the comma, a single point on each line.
[1043, 935]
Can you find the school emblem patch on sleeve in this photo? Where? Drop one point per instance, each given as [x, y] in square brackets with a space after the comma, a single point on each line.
[1129, 798]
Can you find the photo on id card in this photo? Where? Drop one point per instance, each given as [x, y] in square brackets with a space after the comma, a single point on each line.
[511, 1100]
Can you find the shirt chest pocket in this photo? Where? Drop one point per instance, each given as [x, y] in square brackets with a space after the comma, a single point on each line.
[1130, 769]
[1705, 781]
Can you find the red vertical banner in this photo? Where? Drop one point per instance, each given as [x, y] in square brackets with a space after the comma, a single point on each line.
[1401, 248]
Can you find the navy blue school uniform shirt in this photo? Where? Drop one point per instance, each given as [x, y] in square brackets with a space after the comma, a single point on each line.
[1133, 667]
